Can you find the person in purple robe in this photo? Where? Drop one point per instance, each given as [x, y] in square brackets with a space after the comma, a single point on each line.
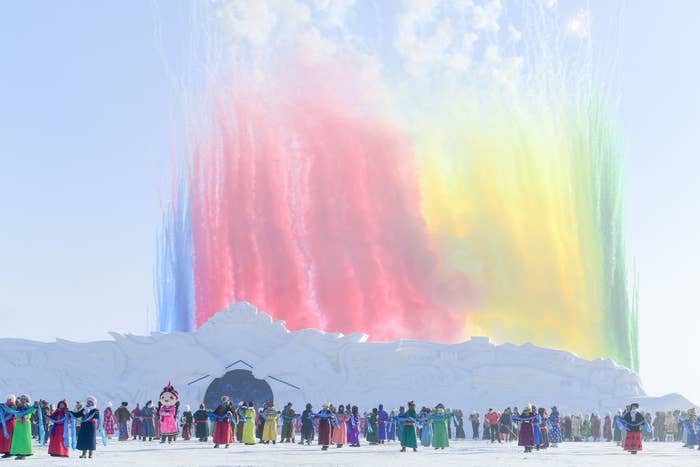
[382, 422]
[354, 428]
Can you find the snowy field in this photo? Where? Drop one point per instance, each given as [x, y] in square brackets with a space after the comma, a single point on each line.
[469, 453]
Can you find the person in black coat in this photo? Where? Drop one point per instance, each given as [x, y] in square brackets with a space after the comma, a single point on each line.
[87, 436]
[201, 424]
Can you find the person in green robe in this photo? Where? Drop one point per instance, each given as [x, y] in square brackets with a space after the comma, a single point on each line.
[617, 433]
[373, 427]
[586, 429]
[22, 436]
[440, 419]
[408, 431]
[249, 426]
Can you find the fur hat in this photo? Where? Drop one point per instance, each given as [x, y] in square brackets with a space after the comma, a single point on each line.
[124, 404]
[91, 401]
[634, 405]
[25, 398]
[202, 406]
[11, 398]
[109, 404]
[187, 408]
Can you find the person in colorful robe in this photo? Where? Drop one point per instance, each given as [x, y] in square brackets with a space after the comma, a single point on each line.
[544, 429]
[607, 428]
[440, 419]
[324, 419]
[240, 421]
[527, 422]
[123, 416]
[288, 418]
[136, 421]
[340, 431]
[270, 417]
[408, 422]
[633, 422]
[354, 427]
[249, 427]
[108, 422]
[307, 425]
[426, 432]
[372, 435]
[87, 435]
[57, 446]
[9, 422]
[223, 434]
[201, 423]
[382, 422]
[595, 427]
[554, 428]
[21, 446]
[617, 431]
[148, 429]
[186, 421]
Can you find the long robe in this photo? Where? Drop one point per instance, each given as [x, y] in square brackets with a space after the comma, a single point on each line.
[87, 436]
[382, 421]
[426, 432]
[270, 428]
[201, 424]
[460, 434]
[391, 430]
[109, 422]
[223, 434]
[22, 435]
[554, 429]
[340, 431]
[57, 447]
[123, 416]
[527, 433]
[324, 428]
[408, 430]
[440, 436]
[249, 427]
[148, 429]
[307, 425]
[633, 437]
[168, 425]
[136, 422]
[354, 430]
[372, 429]
[240, 424]
[187, 422]
[5, 443]
[288, 418]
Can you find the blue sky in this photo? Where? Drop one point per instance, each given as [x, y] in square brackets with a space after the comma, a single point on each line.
[85, 120]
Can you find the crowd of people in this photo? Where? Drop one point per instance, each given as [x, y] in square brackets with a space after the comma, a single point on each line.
[24, 424]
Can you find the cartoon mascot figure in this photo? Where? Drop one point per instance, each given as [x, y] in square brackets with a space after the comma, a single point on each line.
[168, 406]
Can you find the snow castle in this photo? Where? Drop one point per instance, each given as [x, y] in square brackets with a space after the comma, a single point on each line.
[241, 352]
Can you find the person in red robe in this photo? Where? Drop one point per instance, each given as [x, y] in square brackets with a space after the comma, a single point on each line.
[136, 422]
[10, 421]
[223, 434]
[57, 447]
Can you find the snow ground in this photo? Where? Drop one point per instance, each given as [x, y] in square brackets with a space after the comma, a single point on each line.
[463, 453]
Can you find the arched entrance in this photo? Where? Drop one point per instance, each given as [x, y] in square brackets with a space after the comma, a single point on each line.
[239, 385]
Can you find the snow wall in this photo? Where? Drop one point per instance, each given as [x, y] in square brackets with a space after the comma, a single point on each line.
[315, 366]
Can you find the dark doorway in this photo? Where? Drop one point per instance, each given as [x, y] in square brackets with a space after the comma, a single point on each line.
[239, 385]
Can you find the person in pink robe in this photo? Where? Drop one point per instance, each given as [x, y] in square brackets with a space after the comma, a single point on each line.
[109, 423]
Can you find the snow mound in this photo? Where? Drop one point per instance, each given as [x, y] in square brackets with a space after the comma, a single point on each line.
[315, 366]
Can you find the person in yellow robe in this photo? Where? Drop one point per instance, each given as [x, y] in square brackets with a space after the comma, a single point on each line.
[249, 426]
[271, 415]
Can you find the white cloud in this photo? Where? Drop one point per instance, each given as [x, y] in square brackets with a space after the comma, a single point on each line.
[513, 34]
[486, 17]
[550, 3]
